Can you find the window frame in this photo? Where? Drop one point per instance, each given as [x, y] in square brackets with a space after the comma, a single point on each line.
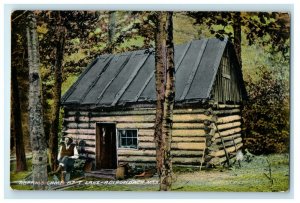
[118, 139]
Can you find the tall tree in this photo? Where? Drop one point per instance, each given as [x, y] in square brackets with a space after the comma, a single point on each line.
[57, 40]
[237, 35]
[165, 94]
[37, 135]
[17, 123]
[111, 30]
[53, 142]
[18, 56]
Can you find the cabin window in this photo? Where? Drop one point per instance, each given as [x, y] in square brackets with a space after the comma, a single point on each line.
[127, 138]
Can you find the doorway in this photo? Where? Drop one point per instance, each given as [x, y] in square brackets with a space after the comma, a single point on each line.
[106, 148]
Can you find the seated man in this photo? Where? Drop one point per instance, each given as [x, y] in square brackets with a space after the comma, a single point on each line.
[66, 156]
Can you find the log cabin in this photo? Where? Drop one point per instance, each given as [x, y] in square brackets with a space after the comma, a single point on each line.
[111, 107]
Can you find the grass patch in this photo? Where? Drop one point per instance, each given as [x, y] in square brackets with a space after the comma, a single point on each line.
[249, 178]
[68, 83]
[18, 176]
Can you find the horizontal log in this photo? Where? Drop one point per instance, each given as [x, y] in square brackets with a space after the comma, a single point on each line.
[174, 139]
[188, 126]
[227, 111]
[136, 159]
[146, 132]
[146, 138]
[73, 119]
[81, 131]
[228, 119]
[174, 153]
[124, 119]
[223, 106]
[175, 132]
[221, 152]
[175, 160]
[230, 132]
[227, 138]
[189, 110]
[86, 125]
[141, 111]
[181, 160]
[186, 153]
[230, 143]
[188, 139]
[229, 125]
[188, 118]
[134, 152]
[81, 136]
[188, 132]
[176, 126]
[135, 125]
[146, 145]
[73, 113]
[186, 145]
[112, 113]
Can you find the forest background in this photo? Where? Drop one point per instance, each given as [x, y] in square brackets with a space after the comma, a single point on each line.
[265, 61]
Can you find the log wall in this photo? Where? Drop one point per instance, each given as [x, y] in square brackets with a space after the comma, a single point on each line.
[194, 137]
[227, 138]
[188, 133]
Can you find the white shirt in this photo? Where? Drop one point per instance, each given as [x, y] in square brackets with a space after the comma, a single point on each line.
[75, 156]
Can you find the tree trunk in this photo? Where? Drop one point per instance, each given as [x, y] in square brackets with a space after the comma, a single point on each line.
[165, 94]
[111, 30]
[237, 35]
[17, 131]
[37, 135]
[53, 141]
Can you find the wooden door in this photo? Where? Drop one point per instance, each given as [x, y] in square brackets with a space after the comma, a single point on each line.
[106, 148]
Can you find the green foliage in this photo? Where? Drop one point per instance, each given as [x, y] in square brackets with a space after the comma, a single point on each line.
[266, 114]
[273, 27]
[70, 80]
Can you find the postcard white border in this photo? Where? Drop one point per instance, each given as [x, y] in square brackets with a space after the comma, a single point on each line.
[8, 6]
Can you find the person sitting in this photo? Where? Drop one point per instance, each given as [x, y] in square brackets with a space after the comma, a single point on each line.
[66, 157]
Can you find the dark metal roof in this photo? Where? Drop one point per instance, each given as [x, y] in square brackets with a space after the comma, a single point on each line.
[113, 80]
